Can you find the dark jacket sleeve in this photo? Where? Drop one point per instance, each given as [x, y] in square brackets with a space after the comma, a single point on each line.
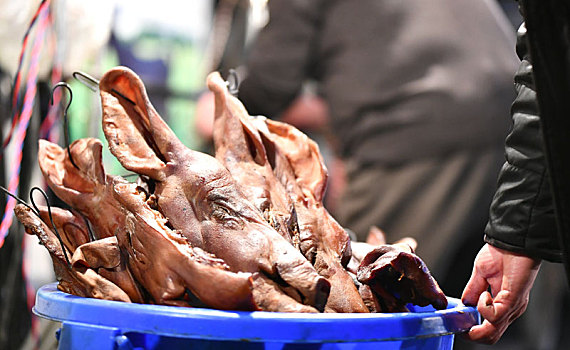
[522, 212]
[281, 57]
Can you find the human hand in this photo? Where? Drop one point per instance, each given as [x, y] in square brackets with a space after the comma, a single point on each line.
[510, 277]
[306, 112]
[204, 115]
[377, 237]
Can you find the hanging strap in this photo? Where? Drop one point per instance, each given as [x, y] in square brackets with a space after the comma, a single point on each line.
[21, 120]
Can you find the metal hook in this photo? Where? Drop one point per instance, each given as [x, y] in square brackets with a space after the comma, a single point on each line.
[51, 220]
[93, 84]
[65, 119]
[233, 82]
[87, 80]
[89, 231]
[36, 211]
[123, 96]
[19, 200]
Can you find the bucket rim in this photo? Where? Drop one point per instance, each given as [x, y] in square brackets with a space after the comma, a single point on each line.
[200, 323]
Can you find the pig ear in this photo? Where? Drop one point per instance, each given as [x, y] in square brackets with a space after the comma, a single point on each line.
[100, 253]
[139, 138]
[303, 155]
[233, 131]
[65, 179]
[72, 228]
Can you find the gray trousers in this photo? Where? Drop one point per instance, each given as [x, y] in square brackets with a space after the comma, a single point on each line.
[442, 203]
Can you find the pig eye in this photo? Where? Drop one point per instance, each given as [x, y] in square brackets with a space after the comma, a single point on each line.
[265, 206]
[222, 211]
[225, 216]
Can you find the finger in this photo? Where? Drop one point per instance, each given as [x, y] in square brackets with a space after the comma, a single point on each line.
[489, 331]
[408, 242]
[486, 332]
[475, 286]
[495, 285]
[376, 236]
[508, 303]
[496, 310]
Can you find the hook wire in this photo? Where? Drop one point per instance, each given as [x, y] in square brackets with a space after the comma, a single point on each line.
[65, 119]
[87, 80]
[34, 208]
[19, 200]
[123, 96]
[89, 231]
[93, 84]
[233, 82]
[56, 232]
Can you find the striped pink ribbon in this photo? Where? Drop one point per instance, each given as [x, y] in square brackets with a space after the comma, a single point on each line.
[18, 77]
[48, 130]
[24, 120]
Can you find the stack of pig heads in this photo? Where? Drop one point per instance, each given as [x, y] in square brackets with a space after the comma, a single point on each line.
[104, 229]
[244, 230]
[202, 203]
[277, 165]
[293, 190]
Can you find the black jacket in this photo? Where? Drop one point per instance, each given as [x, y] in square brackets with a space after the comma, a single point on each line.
[530, 212]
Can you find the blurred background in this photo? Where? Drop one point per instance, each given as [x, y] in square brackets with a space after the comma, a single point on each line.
[172, 45]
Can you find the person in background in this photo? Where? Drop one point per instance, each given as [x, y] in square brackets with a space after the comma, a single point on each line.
[529, 214]
[417, 114]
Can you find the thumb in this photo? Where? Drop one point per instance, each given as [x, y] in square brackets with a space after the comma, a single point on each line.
[474, 289]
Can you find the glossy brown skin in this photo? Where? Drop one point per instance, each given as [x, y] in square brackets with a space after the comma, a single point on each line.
[166, 265]
[361, 249]
[73, 228]
[89, 191]
[370, 299]
[239, 146]
[270, 297]
[300, 168]
[398, 277]
[197, 193]
[103, 255]
[78, 279]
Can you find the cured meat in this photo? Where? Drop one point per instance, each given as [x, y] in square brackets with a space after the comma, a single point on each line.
[238, 145]
[87, 189]
[105, 257]
[298, 165]
[375, 238]
[173, 272]
[73, 228]
[102, 256]
[398, 277]
[245, 230]
[75, 279]
[197, 193]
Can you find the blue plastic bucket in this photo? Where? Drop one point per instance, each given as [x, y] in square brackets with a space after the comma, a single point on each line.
[100, 324]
